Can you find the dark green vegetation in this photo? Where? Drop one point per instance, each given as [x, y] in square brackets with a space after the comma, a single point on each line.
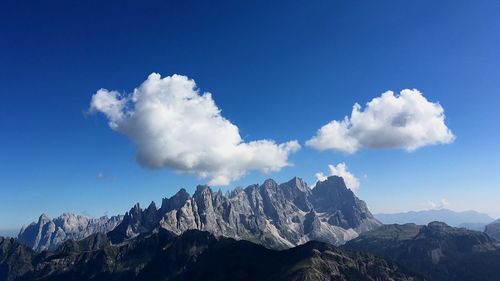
[194, 255]
[436, 251]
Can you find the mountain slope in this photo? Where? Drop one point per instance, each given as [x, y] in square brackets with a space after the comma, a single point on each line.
[466, 219]
[197, 255]
[277, 216]
[493, 229]
[437, 251]
[49, 233]
[15, 259]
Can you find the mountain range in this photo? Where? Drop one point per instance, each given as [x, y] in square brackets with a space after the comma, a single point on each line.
[436, 251]
[279, 216]
[270, 231]
[193, 255]
[468, 219]
[49, 233]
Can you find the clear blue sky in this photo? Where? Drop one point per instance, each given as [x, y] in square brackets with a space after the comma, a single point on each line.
[277, 71]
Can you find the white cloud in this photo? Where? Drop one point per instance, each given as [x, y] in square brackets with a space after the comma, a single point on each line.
[341, 170]
[407, 121]
[174, 126]
[320, 176]
[431, 205]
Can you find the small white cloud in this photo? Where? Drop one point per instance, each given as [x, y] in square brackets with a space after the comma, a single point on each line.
[407, 121]
[341, 170]
[176, 127]
[320, 176]
[443, 203]
[431, 205]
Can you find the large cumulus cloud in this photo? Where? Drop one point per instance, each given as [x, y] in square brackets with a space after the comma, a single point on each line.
[176, 127]
[407, 121]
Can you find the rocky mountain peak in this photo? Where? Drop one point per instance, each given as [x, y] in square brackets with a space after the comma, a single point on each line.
[269, 183]
[299, 184]
[174, 202]
[152, 206]
[203, 194]
[278, 216]
[203, 189]
[332, 184]
[49, 233]
[135, 212]
[43, 218]
[182, 191]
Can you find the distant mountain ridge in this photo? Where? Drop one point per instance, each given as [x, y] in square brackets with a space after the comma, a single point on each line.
[49, 233]
[194, 255]
[278, 216]
[436, 251]
[468, 219]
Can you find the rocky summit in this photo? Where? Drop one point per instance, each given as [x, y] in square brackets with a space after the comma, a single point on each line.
[49, 233]
[275, 215]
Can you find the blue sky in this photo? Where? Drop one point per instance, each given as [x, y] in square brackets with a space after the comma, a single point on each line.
[277, 71]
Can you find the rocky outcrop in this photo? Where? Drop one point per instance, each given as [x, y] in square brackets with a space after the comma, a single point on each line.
[275, 215]
[49, 233]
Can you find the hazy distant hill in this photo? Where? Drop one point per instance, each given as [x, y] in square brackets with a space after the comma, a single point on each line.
[469, 219]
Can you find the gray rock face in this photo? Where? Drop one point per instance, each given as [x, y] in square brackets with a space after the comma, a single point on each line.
[49, 233]
[276, 215]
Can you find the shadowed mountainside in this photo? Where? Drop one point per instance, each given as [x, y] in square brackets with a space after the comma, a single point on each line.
[194, 255]
[436, 251]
